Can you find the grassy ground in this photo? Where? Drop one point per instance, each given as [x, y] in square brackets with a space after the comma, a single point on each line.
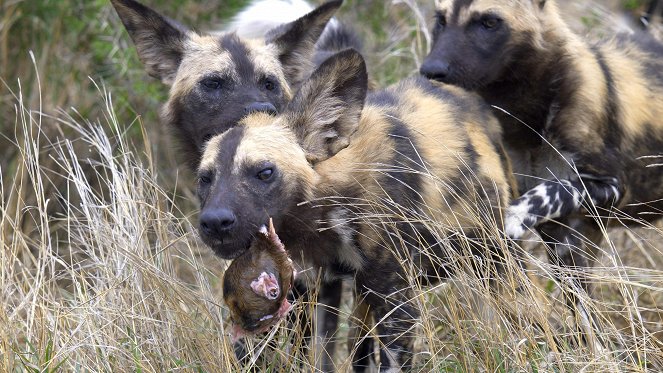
[101, 267]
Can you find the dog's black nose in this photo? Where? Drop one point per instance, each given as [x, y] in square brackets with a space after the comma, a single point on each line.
[434, 69]
[262, 107]
[216, 222]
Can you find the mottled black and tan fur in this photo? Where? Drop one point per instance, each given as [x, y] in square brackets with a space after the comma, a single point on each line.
[333, 170]
[583, 122]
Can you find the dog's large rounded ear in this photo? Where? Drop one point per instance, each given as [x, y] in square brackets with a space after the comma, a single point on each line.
[160, 41]
[296, 40]
[326, 111]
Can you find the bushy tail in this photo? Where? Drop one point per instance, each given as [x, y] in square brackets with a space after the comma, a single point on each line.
[263, 15]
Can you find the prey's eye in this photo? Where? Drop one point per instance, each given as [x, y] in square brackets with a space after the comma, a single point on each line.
[251, 325]
[490, 22]
[212, 83]
[265, 174]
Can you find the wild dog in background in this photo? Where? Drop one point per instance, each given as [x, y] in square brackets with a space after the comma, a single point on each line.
[583, 122]
[362, 186]
[215, 80]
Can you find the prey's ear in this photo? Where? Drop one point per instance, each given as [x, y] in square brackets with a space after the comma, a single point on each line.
[296, 41]
[160, 41]
[326, 111]
[267, 286]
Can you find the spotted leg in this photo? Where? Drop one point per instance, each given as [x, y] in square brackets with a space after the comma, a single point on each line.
[558, 199]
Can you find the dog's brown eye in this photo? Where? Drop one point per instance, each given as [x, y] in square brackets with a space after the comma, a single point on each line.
[441, 19]
[270, 85]
[490, 23]
[265, 174]
[212, 83]
[204, 179]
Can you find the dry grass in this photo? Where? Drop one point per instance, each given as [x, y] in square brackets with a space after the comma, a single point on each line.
[101, 268]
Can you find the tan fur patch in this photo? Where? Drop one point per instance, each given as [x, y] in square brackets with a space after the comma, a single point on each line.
[267, 139]
[266, 61]
[589, 102]
[490, 164]
[203, 55]
[641, 102]
[210, 153]
[440, 142]
[369, 146]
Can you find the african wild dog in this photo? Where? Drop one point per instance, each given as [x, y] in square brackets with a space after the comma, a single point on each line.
[347, 179]
[585, 118]
[215, 80]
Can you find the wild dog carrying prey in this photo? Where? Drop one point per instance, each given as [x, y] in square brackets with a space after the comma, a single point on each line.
[215, 80]
[329, 169]
[587, 119]
[256, 283]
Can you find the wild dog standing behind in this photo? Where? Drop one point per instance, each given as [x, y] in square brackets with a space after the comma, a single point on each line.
[368, 168]
[586, 117]
[215, 80]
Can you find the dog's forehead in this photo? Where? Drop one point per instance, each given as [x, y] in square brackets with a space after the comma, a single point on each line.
[203, 56]
[220, 150]
[229, 56]
[265, 59]
[258, 137]
[462, 10]
[266, 138]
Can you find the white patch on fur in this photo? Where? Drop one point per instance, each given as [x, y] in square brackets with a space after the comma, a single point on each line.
[263, 15]
[515, 216]
[513, 226]
[394, 367]
[266, 317]
[347, 253]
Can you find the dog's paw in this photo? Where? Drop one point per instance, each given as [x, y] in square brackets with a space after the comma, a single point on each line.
[517, 219]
